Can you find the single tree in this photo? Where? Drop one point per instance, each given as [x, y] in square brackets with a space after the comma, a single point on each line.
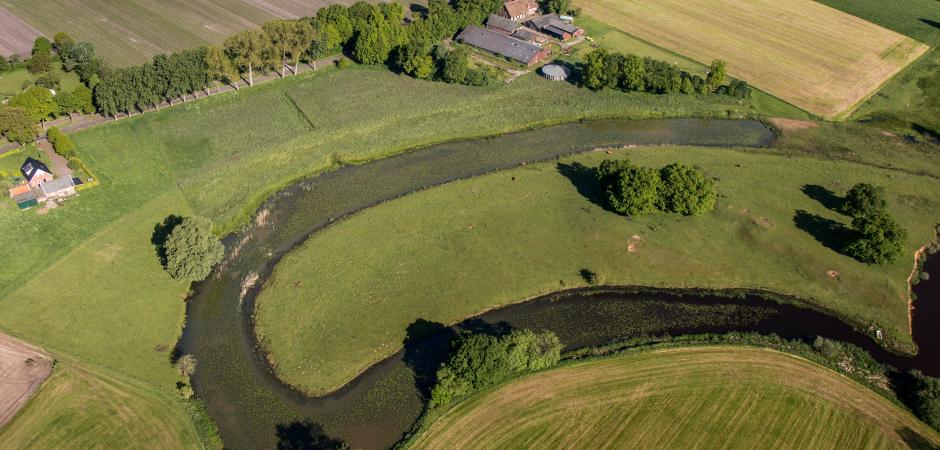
[192, 249]
[877, 238]
[685, 190]
[38, 104]
[630, 190]
[220, 67]
[594, 74]
[246, 50]
[299, 41]
[40, 62]
[42, 45]
[16, 125]
[62, 42]
[864, 199]
[716, 75]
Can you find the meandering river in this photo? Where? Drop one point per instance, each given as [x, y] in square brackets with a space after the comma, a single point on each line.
[255, 410]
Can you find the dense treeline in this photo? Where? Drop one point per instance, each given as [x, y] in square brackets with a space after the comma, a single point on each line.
[634, 190]
[603, 69]
[369, 33]
[482, 360]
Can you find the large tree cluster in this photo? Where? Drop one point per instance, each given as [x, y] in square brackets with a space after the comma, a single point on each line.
[602, 69]
[635, 190]
[481, 360]
[876, 238]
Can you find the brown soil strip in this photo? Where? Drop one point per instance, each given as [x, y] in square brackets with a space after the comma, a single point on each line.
[22, 369]
[17, 36]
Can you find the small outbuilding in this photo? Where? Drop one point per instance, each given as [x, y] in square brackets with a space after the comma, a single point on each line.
[24, 196]
[519, 9]
[35, 172]
[552, 25]
[556, 72]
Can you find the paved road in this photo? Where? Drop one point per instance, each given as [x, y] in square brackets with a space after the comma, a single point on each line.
[83, 121]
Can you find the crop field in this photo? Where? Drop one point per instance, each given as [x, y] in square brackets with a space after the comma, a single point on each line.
[813, 56]
[79, 407]
[132, 31]
[453, 251]
[18, 36]
[712, 397]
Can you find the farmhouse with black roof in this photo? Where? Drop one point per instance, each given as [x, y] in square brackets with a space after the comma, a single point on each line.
[35, 172]
[503, 45]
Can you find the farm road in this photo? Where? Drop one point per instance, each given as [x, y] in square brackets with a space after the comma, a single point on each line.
[83, 121]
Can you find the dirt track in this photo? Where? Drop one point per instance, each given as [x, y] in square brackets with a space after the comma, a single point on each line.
[19, 379]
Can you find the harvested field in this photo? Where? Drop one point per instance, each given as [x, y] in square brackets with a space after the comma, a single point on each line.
[716, 397]
[132, 31]
[813, 56]
[22, 369]
[17, 36]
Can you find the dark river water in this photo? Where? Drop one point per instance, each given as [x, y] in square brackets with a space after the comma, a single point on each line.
[254, 410]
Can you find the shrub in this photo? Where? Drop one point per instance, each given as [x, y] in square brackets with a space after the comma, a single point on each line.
[16, 125]
[48, 81]
[878, 238]
[186, 365]
[684, 190]
[864, 199]
[192, 249]
[185, 391]
[590, 277]
[739, 89]
[343, 63]
[61, 143]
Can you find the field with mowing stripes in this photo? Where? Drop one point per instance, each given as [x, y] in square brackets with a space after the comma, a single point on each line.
[815, 57]
[130, 32]
[715, 397]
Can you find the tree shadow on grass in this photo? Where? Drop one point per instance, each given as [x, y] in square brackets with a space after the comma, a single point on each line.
[427, 345]
[827, 232]
[584, 179]
[824, 196]
[932, 23]
[161, 232]
[305, 435]
[915, 440]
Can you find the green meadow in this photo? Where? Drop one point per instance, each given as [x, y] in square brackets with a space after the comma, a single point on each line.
[454, 251]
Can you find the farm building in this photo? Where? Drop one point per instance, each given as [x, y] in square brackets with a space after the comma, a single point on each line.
[526, 34]
[556, 72]
[35, 172]
[501, 25]
[503, 45]
[552, 25]
[519, 9]
[58, 188]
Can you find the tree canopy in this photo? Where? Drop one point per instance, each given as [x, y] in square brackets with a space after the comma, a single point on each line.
[191, 249]
[863, 199]
[684, 190]
[877, 238]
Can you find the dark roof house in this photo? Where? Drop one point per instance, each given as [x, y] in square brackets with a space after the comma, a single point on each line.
[503, 45]
[32, 168]
[35, 172]
[501, 24]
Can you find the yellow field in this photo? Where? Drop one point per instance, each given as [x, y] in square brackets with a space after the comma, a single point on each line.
[813, 56]
[715, 397]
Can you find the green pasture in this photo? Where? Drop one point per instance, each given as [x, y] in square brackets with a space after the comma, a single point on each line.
[454, 251]
[709, 397]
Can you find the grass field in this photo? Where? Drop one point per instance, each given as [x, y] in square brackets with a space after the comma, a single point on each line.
[11, 83]
[80, 408]
[815, 57]
[713, 397]
[83, 279]
[450, 252]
